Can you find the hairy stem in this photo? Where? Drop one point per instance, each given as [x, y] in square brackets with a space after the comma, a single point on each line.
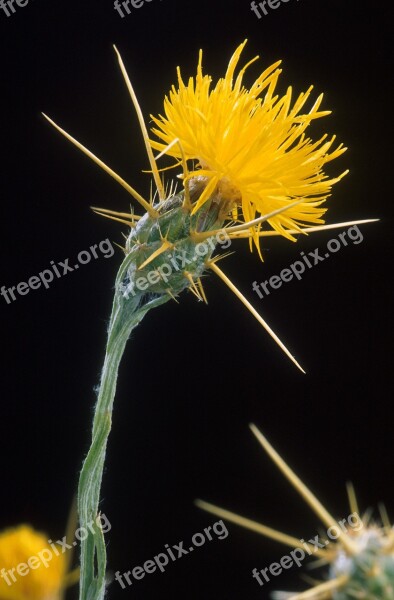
[126, 314]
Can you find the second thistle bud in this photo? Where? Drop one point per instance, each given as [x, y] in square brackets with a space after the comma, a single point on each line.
[370, 571]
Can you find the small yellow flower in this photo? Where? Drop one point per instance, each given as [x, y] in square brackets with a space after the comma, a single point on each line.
[29, 568]
[250, 145]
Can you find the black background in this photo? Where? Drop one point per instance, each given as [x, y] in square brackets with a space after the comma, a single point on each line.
[193, 376]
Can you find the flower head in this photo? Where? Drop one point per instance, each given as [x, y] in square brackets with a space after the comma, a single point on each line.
[253, 158]
[25, 573]
[250, 145]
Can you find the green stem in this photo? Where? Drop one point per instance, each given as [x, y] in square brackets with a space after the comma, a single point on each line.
[126, 314]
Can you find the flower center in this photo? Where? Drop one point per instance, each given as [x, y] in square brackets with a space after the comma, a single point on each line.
[229, 192]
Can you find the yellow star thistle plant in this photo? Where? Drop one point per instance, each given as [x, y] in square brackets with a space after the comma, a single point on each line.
[22, 546]
[254, 159]
[360, 561]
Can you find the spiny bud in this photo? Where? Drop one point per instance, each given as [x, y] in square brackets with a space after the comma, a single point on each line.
[370, 571]
[162, 255]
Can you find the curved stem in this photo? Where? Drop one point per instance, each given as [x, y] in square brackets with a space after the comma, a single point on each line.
[126, 314]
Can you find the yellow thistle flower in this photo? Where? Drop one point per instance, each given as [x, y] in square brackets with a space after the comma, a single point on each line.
[24, 572]
[253, 158]
[251, 149]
